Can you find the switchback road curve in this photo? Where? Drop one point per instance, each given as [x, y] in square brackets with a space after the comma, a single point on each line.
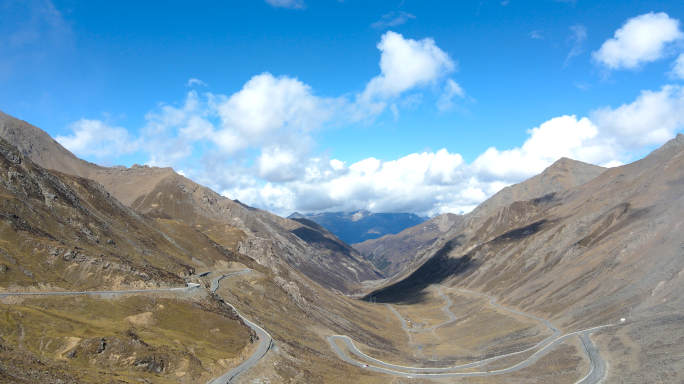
[597, 369]
[265, 340]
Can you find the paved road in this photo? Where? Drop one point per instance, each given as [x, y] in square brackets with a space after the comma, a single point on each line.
[265, 340]
[188, 288]
[597, 366]
[215, 281]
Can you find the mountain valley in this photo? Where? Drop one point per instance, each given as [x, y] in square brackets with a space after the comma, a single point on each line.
[560, 258]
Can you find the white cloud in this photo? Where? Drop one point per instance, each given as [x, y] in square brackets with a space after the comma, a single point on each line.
[451, 89]
[556, 138]
[97, 139]
[678, 67]
[437, 182]
[171, 131]
[392, 19]
[194, 81]
[257, 144]
[642, 39]
[651, 119]
[272, 111]
[536, 35]
[277, 164]
[291, 4]
[404, 64]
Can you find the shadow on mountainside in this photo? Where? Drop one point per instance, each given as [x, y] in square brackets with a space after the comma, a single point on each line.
[312, 236]
[411, 290]
[441, 266]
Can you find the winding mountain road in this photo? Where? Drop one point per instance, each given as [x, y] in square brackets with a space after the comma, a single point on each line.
[185, 289]
[597, 370]
[265, 340]
[597, 365]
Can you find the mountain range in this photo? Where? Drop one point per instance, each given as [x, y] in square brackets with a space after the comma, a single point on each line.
[577, 248]
[359, 226]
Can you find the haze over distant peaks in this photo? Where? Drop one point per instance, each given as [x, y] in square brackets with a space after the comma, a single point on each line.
[359, 226]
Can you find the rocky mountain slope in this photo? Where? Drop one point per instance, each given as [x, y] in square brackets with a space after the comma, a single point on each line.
[66, 233]
[610, 248]
[391, 253]
[162, 193]
[561, 175]
[60, 232]
[356, 227]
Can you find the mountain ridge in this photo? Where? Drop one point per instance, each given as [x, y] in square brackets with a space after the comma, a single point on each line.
[357, 226]
[164, 194]
[607, 249]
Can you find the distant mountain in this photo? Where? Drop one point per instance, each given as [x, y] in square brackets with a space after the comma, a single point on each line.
[356, 227]
[391, 253]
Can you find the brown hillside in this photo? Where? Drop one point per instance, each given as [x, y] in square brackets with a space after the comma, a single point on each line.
[608, 249]
[162, 193]
[559, 176]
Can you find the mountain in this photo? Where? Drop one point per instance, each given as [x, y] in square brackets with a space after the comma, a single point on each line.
[67, 233]
[162, 193]
[563, 246]
[561, 175]
[391, 253]
[61, 232]
[356, 227]
[607, 249]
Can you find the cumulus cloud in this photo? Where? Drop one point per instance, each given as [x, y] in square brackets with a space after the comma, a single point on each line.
[282, 178]
[257, 144]
[393, 19]
[430, 183]
[278, 164]
[170, 131]
[291, 4]
[651, 119]
[536, 35]
[271, 111]
[558, 137]
[641, 40]
[404, 64]
[97, 139]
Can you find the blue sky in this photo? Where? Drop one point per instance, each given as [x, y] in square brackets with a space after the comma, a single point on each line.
[392, 106]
